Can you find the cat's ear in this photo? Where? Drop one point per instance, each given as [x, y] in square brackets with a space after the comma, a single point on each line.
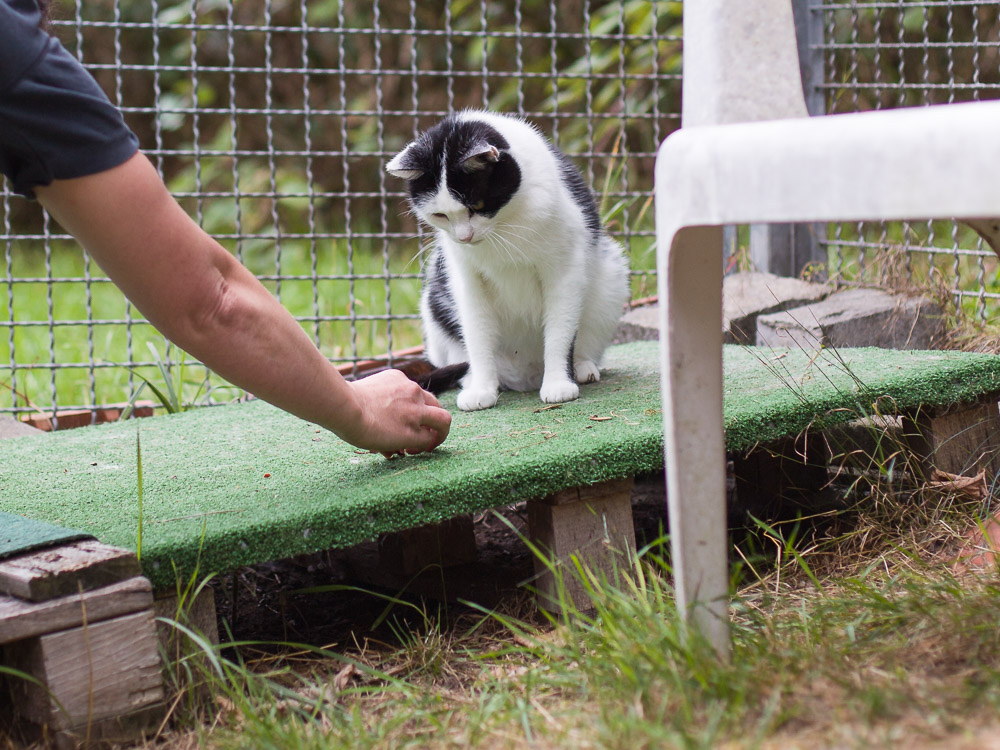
[477, 157]
[404, 165]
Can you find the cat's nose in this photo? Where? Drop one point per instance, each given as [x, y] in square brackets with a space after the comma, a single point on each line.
[465, 234]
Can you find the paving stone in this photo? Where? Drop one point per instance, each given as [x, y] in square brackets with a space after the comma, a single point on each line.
[10, 427]
[745, 296]
[855, 317]
[640, 324]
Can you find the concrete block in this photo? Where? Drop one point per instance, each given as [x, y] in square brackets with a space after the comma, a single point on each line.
[10, 427]
[747, 296]
[855, 317]
[640, 324]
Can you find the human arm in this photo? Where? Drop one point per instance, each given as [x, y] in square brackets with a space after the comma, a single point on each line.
[201, 298]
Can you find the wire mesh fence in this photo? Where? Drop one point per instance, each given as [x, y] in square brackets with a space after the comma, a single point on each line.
[271, 121]
[879, 54]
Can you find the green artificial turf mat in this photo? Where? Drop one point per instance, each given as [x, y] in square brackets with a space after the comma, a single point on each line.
[247, 483]
[19, 534]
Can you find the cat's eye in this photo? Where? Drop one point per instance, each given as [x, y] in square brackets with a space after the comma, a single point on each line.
[439, 216]
[477, 206]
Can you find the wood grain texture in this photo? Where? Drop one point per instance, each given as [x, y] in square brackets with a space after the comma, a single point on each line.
[21, 619]
[92, 673]
[445, 544]
[55, 572]
[963, 440]
[596, 529]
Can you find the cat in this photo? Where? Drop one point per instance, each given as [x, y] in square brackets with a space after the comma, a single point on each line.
[523, 283]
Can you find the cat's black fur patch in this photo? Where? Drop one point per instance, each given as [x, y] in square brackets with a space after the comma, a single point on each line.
[439, 297]
[489, 188]
[581, 194]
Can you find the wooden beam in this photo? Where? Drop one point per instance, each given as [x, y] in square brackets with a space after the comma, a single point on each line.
[91, 673]
[592, 524]
[789, 471]
[198, 614]
[20, 619]
[963, 439]
[445, 544]
[60, 571]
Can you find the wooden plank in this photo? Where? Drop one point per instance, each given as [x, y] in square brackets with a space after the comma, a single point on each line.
[20, 619]
[597, 530]
[962, 440]
[199, 615]
[445, 544]
[785, 472]
[589, 492]
[91, 673]
[55, 572]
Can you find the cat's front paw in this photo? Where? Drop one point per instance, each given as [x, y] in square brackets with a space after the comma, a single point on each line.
[474, 399]
[559, 391]
[586, 372]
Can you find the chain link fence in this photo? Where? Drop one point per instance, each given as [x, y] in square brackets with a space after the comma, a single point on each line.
[271, 121]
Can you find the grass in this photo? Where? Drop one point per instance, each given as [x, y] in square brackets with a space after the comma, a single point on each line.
[853, 628]
[121, 353]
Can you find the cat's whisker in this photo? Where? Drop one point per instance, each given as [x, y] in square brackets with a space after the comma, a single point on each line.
[513, 252]
[525, 227]
[515, 247]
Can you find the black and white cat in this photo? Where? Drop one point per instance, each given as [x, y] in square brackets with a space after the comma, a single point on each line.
[523, 283]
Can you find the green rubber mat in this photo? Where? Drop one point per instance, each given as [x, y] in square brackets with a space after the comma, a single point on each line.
[19, 534]
[247, 483]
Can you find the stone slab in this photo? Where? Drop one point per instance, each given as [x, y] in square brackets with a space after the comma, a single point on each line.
[10, 427]
[745, 297]
[748, 295]
[640, 324]
[855, 318]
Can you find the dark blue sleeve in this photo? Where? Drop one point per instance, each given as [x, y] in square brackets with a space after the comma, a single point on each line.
[55, 121]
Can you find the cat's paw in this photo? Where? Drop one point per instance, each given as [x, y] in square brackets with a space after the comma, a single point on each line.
[586, 372]
[474, 399]
[559, 391]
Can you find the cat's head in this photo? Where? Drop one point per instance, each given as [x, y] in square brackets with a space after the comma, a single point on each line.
[460, 175]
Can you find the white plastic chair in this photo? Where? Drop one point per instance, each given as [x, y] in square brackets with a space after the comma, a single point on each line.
[748, 153]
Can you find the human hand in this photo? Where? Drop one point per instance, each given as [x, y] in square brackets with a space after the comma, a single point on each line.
[397, 415]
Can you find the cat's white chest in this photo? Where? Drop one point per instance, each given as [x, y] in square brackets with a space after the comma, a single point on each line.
[515, 294]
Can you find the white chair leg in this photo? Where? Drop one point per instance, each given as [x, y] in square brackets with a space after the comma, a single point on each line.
[690, 284]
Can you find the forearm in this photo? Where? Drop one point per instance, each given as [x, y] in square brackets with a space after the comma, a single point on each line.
[201, 298]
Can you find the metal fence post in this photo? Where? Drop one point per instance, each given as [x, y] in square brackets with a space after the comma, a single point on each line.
[787, 249]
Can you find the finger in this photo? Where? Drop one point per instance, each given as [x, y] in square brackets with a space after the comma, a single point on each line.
[430, 399]
[437, 419]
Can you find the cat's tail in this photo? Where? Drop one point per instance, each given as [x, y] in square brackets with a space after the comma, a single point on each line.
[441, 379]
[437, 380]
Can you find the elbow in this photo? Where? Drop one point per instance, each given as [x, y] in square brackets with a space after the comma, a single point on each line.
[212, 313]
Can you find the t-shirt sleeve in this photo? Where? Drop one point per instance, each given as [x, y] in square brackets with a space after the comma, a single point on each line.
[57, 123]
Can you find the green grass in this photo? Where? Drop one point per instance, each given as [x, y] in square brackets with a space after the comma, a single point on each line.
[892, 652]
[77, 333]
[852, 629]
